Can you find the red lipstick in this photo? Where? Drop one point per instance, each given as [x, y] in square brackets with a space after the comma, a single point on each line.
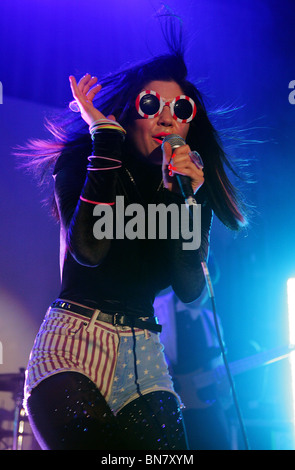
[160, 136]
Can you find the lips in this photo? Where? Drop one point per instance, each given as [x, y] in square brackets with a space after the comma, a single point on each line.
[160, 137]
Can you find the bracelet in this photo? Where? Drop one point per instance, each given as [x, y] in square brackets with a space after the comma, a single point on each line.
[94, 202]
[92, 167]
[103, 124]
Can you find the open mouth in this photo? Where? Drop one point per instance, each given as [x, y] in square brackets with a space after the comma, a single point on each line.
[160, 137]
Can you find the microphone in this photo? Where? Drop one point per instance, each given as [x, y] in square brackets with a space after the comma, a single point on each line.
[184, 181]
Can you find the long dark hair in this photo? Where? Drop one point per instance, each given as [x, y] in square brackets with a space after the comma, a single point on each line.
[117, 97]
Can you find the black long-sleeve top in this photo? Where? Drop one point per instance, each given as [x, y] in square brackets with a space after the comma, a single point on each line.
[121, 275]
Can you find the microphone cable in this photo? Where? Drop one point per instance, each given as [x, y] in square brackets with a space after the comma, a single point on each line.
[190, 205]
[223, 353]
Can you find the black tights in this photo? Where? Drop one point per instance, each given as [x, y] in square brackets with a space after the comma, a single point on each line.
[67, 411]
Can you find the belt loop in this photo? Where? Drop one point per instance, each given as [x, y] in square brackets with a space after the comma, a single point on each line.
[115, 319]
[147, 334]
[90, 326]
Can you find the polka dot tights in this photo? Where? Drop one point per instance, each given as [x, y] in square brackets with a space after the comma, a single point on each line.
[67, 411]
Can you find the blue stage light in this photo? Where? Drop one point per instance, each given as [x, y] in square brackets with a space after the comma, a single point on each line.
[291, 318]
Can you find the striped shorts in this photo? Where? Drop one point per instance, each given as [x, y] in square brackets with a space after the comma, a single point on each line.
[120, 361]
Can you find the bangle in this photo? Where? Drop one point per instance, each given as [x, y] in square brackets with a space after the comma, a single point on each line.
[94, 202]
[102, 124]
[92, 167]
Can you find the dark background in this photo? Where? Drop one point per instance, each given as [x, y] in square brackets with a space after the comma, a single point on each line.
[243, 55]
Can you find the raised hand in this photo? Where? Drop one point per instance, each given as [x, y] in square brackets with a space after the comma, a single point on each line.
[84, 93]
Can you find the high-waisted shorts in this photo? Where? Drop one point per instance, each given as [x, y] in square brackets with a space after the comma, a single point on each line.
[123, 362]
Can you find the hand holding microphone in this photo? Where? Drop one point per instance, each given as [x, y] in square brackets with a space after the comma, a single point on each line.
[185, 164]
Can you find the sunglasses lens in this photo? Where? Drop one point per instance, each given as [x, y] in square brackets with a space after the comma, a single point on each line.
[183, 109]
[149, 104]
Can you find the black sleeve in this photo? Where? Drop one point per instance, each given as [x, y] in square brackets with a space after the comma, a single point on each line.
[187, 277]
[78, 189]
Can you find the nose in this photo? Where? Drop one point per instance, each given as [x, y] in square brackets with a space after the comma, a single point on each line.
[165, 118]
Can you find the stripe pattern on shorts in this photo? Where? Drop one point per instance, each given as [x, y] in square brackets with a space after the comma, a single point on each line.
[63, 343]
